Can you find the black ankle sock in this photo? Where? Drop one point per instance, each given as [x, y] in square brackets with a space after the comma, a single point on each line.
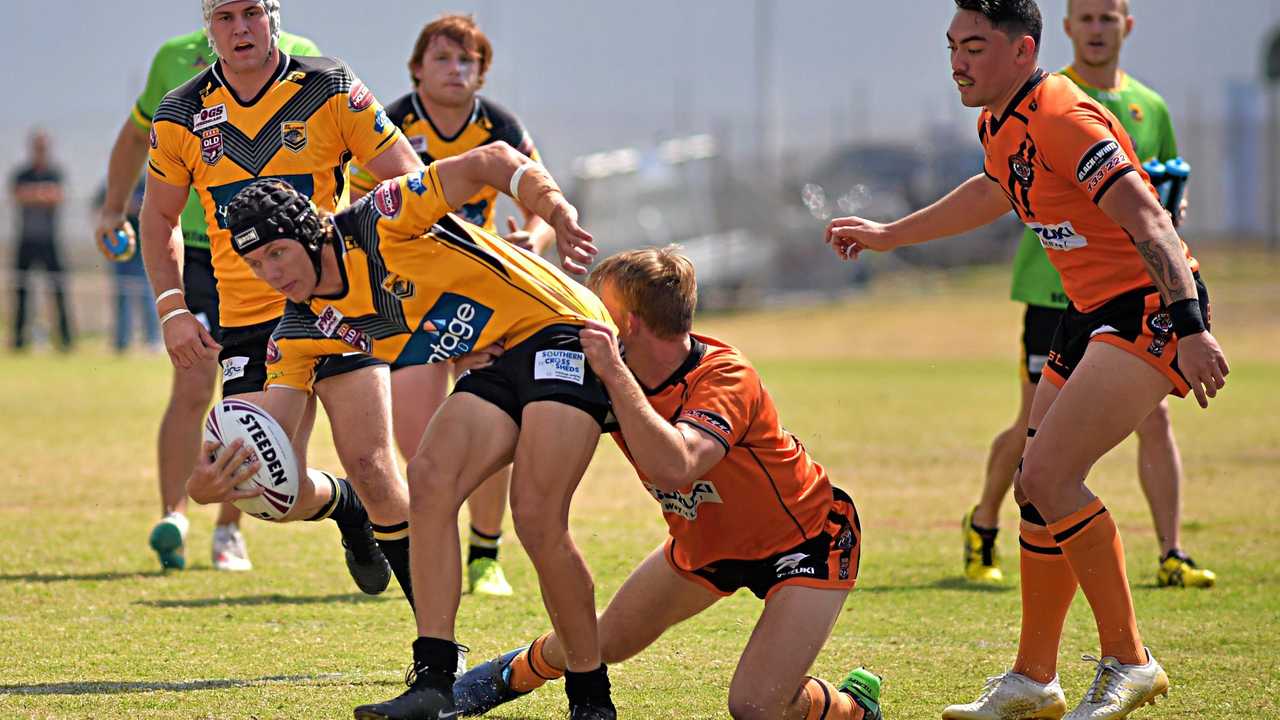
[588, 687]
[393, 540]
[344, 507]
[436, 657]
[482, 545]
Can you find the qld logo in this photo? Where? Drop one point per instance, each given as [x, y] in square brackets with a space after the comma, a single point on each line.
[451, 328]
[211, 146]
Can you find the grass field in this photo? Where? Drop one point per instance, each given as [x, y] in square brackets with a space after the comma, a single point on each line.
[897, 392]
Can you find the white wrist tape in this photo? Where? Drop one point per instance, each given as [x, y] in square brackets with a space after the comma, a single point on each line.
[515, 178]
[173, 314]
[167, 293]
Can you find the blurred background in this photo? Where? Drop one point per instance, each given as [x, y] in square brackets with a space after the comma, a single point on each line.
[734, 127]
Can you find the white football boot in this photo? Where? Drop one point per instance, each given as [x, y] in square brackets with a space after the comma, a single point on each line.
[1119, 689]
[229, 551]
[1012, 696]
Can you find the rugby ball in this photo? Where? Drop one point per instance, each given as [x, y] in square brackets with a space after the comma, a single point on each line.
[277, 473]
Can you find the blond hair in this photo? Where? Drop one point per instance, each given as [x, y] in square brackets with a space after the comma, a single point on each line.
[657, 284]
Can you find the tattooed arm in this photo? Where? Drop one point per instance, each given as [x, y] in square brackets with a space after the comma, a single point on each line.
[1132, 205]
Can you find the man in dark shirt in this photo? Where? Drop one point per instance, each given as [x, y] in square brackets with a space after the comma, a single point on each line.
[37, 189]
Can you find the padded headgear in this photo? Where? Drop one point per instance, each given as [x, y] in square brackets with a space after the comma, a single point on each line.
[272, 209]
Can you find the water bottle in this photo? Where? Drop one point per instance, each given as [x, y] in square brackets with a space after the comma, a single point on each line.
[1159, 177]
[1178, 171]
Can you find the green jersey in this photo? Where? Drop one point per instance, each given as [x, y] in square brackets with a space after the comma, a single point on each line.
[1144, 115]
[178, 60]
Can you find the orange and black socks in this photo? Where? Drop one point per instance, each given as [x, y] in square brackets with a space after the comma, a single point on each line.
[828, 703]
[1048, 587]
[1091, 542]
[529, 671]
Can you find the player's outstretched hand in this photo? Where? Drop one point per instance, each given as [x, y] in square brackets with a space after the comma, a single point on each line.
[214, 479]
[575, 245]
[849, 236]
[520, 238]
[188, 342]
[1203, 365]
[601, 348]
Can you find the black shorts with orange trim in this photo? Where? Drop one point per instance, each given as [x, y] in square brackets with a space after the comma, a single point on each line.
[828, 561]
[244, 359]
[1136, 322]
[1039, 323]
[547, 366]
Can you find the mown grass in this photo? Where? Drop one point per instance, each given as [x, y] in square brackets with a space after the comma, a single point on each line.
[897, 393]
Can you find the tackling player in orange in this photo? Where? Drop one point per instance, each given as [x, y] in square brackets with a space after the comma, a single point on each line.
[1136, 330]
[745, 504]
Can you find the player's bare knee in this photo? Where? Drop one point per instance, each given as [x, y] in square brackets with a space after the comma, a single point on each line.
[752, 704]
[1157, 425]
[1036, 480]
[430, 486]
[539, 526]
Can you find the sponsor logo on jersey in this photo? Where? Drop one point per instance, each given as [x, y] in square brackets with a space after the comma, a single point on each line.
[706, 417]
[686, 504]
[328, 320]
[155, 142]
[1135, 112]
[354, 337]
[398, 285]
[417, 183]
[273, 352]
[387, 199]
[474, 212]
[1103, 172]
[418, 143]
[293, 135]
[295, 77]
[360, 97]
[1094, 158]
[380, 121]
[788, 563]
[450, 328]
[208, 117]
[1058, 237]
[560, 365]
[211, 146]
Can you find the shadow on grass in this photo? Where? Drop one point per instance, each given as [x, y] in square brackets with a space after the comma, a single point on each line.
[951, 583]
[78, 577]
[118, 687]
[256, 600]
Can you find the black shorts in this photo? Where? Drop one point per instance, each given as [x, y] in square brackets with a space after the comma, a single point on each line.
[828, 561]
[1039, 323]
[244, 359]
[200, 289]
[549, 365]
[1136, 322]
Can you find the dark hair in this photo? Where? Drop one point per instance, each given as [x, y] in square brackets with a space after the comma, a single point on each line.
[1011, 17]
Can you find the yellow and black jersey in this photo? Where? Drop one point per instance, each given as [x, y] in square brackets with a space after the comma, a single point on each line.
[489, 122]
[421, 285]
[304, 127]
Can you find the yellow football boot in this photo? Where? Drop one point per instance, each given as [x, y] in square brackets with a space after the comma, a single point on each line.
[981, 559]
[1177, 569]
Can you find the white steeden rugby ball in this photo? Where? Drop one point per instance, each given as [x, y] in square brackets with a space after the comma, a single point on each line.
[278, 469]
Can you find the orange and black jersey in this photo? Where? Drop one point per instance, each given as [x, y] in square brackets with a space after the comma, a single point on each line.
[765, 495]
[1055, 152]
[422, 286]
[490, 122]
[303, 127]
